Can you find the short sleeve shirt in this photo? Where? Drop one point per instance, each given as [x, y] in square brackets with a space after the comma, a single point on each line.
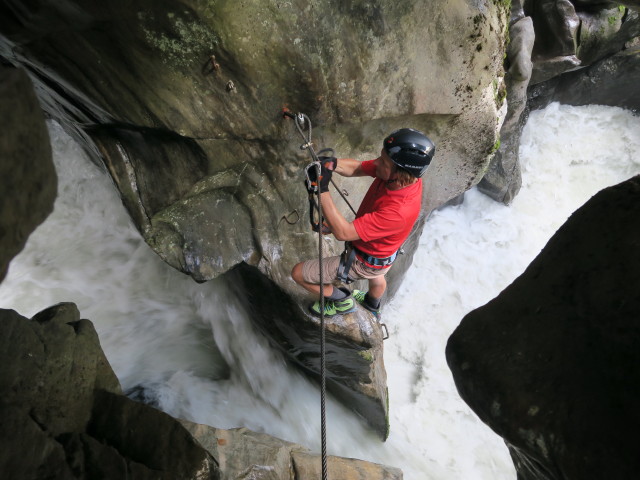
[385, 217]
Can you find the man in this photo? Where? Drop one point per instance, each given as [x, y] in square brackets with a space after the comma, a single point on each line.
[383, 222]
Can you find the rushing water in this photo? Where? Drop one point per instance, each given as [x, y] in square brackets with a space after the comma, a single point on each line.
[194, 352]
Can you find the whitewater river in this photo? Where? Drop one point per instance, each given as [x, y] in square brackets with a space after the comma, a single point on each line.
[192, 347]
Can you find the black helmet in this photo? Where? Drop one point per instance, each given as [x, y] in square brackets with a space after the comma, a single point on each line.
[410, 149]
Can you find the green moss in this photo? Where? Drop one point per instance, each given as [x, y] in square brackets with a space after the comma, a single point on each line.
[499, 93]
[621, 8]
[367, 355]
[495, 147]
[506, 4]
[612, 20]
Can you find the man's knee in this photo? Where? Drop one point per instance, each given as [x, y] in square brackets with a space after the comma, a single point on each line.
[377, 286]
[296, 273]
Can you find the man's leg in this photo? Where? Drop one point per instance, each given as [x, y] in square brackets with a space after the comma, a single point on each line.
[297, 276]
[307, 275]
[377, 286]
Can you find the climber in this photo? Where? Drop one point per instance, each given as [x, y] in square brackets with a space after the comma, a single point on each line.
[382, 224]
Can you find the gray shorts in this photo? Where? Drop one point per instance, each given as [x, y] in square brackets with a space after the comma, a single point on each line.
[311, 270]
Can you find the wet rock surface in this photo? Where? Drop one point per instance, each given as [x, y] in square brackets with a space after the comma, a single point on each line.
[550, 364]
[584, 52]
[246, 455]
[612, 81]
[63, 415]
[28, 180]
[183, 102]
[503, 179]
[354, 346]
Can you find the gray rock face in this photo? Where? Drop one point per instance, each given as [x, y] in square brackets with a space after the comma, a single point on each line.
[612, 81]
[355, 370]
[551, 363]
[247, 455]
[204, 85]
[575, 34]
[503, 179]
[604, 32]
[556, 24]
[28, 180]
[63, 415]
[594, 63]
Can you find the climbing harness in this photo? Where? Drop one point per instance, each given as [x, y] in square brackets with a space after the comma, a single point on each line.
[346, 260]
[344, 267]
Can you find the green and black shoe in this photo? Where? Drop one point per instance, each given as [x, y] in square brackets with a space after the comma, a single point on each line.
[345, 305]
[360, 297]
[334, 307]
[329, 309]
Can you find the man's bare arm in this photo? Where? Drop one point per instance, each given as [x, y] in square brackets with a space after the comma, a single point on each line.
[340, 228]
[349, 167]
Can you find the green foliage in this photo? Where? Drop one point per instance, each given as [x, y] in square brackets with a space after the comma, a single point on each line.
[367, 355]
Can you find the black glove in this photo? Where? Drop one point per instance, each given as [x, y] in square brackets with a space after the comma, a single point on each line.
[327, 166]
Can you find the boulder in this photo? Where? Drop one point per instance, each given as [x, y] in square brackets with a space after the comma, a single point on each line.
[605, 32]
[556, 25]
[503, 179]
[62, 414]
[575, 34]
[28, 180]
[355, 372]
[612, 81]
[247, 455]
[551, 363]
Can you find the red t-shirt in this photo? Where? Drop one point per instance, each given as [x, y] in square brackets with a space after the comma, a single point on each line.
[385, 217]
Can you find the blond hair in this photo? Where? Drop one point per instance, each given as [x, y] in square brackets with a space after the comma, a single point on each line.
[403, 177]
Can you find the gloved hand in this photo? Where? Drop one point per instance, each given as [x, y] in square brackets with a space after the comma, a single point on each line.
[327, 166]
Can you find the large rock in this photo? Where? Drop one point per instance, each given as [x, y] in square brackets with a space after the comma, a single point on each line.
[203, 84]
[28, 181]
[503, 179]
[605, 32]
[62, 415]
[355, 372]
[551, 363]
[247, 455]
[571, 34]
[612, 81]
[556, 24]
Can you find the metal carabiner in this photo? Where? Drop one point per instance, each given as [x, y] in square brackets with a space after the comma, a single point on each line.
[385, 335]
